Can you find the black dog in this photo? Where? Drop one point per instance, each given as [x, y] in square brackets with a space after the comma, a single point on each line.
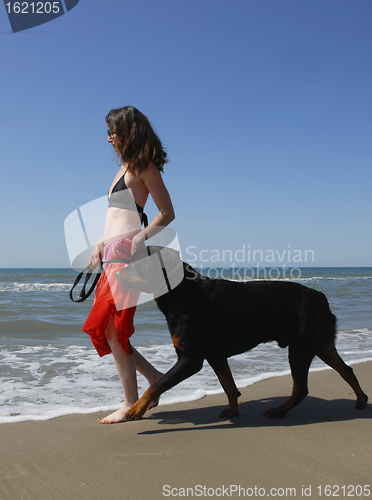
[213, 319]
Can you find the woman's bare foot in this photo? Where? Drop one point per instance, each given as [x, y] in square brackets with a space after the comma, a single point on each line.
[116, 417]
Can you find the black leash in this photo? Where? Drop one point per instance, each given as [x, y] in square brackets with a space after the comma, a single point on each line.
[83, 295]
[164, 271]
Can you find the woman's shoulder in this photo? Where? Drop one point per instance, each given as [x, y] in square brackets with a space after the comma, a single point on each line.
[150, 172]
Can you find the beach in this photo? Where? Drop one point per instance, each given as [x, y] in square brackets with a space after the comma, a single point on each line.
[186, 450]
[49, 368]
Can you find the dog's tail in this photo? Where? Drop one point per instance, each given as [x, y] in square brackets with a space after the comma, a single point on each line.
[316, 319]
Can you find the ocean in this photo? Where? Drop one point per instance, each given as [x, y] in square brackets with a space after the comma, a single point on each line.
[49, 367]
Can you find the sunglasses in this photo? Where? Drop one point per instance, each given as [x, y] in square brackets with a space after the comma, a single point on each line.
[110, 133]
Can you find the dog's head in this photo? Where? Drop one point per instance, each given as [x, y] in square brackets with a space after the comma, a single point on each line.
[154, 270]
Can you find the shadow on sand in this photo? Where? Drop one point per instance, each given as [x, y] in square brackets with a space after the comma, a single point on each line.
[311, 411]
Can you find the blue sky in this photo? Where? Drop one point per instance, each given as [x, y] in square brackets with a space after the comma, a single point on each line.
[264, 107]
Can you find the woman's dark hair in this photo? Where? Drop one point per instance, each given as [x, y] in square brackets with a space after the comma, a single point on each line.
[138, 143]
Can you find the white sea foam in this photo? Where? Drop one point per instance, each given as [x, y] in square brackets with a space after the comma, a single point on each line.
[48, 369]
[35, 287]
[45, 382]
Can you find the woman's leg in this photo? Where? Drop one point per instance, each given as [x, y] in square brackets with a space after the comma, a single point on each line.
[146, 368]
[148, 371]
[126, 367]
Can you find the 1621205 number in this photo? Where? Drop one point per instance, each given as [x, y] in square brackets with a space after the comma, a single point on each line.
[345, 491]
[33, 7]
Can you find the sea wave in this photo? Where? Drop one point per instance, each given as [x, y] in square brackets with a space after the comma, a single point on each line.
[301, 279]
[34, 413]
[34, 287]
[45, 382]
[333, 278]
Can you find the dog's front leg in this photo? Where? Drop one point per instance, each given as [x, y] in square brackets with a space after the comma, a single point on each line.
[222, 370]
[183, 369]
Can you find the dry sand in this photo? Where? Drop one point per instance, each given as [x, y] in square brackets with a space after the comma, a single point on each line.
[324, 441]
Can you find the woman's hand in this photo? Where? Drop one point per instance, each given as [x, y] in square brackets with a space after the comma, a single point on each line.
[138, 241]
[96, 256]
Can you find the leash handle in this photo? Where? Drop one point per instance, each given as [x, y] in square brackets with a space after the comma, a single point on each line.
[83, 295]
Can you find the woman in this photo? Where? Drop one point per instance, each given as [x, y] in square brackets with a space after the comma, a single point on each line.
[110, 322]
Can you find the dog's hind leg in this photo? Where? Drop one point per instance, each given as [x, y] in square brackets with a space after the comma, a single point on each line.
[223, 372]
[330, 356]
[300, 360]
[184, 368]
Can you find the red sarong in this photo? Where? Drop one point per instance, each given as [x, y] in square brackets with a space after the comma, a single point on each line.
[111, 298]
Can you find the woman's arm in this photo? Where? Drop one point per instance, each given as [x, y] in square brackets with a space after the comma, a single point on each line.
[96, 256]
[153, 181]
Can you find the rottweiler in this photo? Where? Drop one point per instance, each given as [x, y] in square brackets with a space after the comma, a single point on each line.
[213, 319]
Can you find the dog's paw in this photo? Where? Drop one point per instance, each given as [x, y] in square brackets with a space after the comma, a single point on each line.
[229, 413]
[136, 412]
[132, 416]
[360, 404]
[274, 413]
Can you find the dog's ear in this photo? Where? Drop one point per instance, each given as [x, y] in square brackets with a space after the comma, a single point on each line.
[166, 253]
[160, 267]
[140, 254]
[170, 256]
